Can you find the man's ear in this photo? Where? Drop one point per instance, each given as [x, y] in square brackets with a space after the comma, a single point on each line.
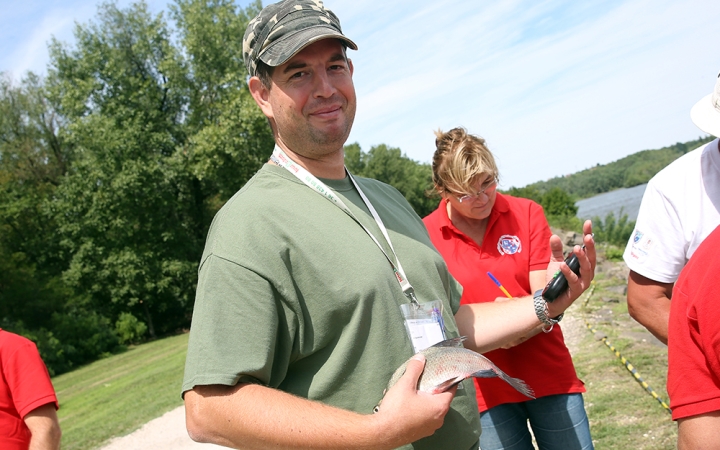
[261, 95]
[350, 65]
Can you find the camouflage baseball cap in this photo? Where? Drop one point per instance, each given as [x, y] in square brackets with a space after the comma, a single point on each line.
[282, 29]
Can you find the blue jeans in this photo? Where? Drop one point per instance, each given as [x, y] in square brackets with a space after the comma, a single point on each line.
[559, 422]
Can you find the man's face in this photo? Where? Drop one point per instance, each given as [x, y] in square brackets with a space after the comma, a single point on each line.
[311, 100]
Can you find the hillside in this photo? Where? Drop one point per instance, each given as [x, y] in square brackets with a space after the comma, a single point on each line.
[629, 171]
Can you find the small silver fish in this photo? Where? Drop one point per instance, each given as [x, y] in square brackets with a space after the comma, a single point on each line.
[447, 363]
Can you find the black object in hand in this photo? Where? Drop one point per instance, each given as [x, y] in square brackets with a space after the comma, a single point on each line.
[558, 284]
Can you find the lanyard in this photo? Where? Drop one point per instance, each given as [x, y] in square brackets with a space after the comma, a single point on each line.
[280, 158]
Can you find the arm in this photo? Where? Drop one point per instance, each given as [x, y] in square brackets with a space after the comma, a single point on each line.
[259, 417]
[701, 431]
[537, 281]
[649, 304]
[491, 325]
[44, 428]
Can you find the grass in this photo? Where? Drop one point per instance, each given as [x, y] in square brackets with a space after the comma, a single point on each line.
[119, 394]
[622, 413]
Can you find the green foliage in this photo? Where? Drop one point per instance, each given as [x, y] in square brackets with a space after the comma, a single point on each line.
[558, 205]
[528, 192]
[557, 202]
[565, 222]
[389, 165]
[612, 230]
[111, 170]
[613, 253]
[129, 329]
[626, 172]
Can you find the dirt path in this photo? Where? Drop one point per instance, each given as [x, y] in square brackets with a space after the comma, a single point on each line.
[167, 432]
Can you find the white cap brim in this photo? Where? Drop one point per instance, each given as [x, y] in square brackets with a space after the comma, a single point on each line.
[706, 113]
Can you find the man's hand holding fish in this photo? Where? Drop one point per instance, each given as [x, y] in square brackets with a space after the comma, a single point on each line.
[412, 413]
[491, 325]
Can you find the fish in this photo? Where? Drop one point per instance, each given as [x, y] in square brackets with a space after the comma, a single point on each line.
[447, 363]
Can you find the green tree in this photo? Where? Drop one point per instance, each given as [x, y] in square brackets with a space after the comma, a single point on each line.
[529, 192]
[389, 165]
[121, 209]
[111, 170]
[228, 136]
[557, 202]
[165, 132]
[34, 157]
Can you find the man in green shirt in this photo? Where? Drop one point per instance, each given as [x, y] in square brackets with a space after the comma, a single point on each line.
[297, 324]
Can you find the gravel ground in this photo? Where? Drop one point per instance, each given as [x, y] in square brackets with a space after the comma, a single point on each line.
[167, 432]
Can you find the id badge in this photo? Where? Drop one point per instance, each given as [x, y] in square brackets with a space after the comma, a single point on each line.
[424, 323]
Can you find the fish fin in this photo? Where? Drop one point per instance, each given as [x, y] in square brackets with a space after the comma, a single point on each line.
[454, 342]
[446, 385]
[517, 383]
[485, 373]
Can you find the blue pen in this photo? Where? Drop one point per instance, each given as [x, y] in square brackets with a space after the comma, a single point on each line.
[502, 288]
[437, 315]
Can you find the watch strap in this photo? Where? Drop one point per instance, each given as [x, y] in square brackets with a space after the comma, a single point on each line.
[541, 310]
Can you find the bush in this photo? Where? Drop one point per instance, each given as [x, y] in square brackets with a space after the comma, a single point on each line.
[565, 223]
[129, 329]
[612, 230]
[557, 202]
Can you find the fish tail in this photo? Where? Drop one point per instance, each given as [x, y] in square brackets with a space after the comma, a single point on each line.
[495, 371]
[518, 384]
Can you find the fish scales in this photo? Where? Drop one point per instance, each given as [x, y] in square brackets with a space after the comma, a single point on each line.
[447, 363]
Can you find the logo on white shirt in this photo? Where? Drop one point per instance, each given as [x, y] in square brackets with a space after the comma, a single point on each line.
[640, 247]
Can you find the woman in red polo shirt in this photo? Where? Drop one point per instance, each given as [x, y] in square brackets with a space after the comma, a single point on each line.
[478, 230]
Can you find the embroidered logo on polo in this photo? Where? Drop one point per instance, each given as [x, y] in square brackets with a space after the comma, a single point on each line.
[509, 245]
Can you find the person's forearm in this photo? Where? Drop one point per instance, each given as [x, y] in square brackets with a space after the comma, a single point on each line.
[492, 325]
[257, 417]
[488, 326]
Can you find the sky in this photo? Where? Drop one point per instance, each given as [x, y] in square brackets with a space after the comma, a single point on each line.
[554, 87]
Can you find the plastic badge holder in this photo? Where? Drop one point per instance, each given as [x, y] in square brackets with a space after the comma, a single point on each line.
[424, 323]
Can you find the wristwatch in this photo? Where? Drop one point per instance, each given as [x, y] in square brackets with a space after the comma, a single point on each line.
[541, 310]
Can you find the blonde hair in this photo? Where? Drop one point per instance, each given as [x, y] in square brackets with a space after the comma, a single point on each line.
[460, 160]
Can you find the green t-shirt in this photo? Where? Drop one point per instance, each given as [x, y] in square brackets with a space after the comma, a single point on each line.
[294, 294]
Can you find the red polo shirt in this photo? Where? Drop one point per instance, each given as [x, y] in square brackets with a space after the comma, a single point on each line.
[24, 386]
[516, 242]
[693, 381]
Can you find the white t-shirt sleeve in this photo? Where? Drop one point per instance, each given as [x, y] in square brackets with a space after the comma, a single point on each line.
[657, 248]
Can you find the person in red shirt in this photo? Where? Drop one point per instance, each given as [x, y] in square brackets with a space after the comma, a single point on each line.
[28, 404]
[694, 349]
[481, 232]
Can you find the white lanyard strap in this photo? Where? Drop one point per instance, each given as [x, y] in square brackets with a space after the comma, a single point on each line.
[280, 158]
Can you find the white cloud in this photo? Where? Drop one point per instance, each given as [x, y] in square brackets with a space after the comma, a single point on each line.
[551, 98]
[555, 86]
